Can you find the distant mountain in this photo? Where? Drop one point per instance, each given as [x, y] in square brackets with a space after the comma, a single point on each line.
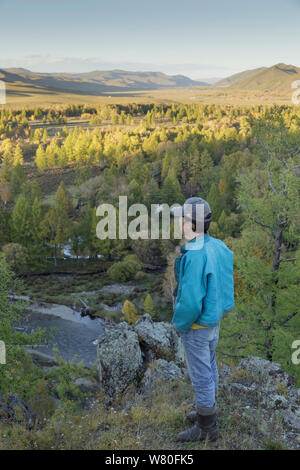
[93, 83]
[210, 80]
[277, 78]
[226, 82]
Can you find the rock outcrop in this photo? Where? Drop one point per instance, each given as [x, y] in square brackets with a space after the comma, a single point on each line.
[159, 340]
[152, 352]
[159, 371]
[259, 383]
[125, 354]
[119, 359]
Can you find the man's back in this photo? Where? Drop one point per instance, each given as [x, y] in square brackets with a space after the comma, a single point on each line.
[219, 273]
[205, 279]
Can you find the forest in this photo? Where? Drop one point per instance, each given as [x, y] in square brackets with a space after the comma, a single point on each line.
[58, 163]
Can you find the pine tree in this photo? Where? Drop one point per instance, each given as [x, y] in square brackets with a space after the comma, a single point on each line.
[18, 156]
[56, 226]
[266, 256]
[214, 200]
[40, 158]
[17, 179]
[22, 222]
[171, 190]
[36, 217]
[149, 307]
[45, 137]
[224, 225]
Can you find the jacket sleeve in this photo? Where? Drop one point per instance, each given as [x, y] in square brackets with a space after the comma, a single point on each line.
[191, 291]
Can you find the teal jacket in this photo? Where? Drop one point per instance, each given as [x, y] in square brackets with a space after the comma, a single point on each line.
[205, 283]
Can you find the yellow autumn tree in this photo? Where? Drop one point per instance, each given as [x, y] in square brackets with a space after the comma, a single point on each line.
[149, 307]
[130, 313]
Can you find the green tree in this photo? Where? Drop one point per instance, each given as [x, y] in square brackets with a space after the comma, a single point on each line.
[214, 200]
[17, 179]
[18, 156]
[40, 158]
[22, 222]
[149, 307]
[16, 256]
[267, 254]
[19, 375]
[171, 190]
[56, 226]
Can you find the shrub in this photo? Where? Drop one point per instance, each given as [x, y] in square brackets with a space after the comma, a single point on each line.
[122, 271]
[140, 275]
[134, 259]
[16, 256]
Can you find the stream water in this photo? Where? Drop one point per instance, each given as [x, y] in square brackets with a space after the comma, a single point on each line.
[74, 334]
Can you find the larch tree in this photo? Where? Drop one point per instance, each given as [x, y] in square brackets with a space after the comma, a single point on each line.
[266, 319]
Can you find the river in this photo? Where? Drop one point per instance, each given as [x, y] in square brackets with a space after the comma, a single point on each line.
[74, 335]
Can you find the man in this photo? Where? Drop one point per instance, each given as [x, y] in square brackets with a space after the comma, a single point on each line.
[205, 292]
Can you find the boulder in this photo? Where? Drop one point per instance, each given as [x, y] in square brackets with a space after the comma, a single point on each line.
[159, 340]
[275, 401]
[119, 359]
[270, 372]
[160, 370]
[292, 417]
[225, 371]
[269, 387]
[86, 385]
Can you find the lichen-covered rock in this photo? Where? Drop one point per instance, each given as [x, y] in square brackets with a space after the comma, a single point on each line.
[261, 383]
[292, 417]
[271, 372]
[159, 340]
[119, 359]
[275, 401]
[160, 371]
[225, 371]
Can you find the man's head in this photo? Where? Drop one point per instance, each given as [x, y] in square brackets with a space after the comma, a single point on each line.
[196, 215]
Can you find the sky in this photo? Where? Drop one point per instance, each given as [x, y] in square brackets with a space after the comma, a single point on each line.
[200, 39]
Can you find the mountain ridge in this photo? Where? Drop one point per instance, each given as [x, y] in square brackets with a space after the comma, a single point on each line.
[95, 82]
[278, 77]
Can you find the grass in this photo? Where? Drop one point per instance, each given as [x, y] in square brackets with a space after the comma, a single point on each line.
[18, 97]
[137, 422]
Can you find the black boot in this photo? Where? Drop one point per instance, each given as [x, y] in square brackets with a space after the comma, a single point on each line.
[193, 415]
[205, 426]
[192, 434]
[207, 421]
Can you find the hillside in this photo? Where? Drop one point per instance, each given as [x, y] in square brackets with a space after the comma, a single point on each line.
[277, 78]
[235, 78]
[92, 83]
